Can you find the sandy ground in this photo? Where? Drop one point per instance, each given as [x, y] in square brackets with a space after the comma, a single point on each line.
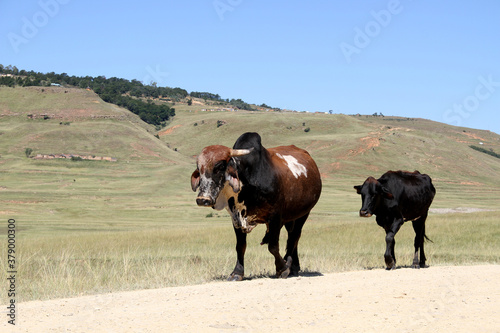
[435, 299]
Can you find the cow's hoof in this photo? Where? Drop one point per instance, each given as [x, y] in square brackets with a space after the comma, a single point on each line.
[416, 266]
[284, 273]
[390, 263]
[235, 277]
[295, 271]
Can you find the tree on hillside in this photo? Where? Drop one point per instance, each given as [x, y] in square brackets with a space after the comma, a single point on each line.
[122, 92]
[238, 103]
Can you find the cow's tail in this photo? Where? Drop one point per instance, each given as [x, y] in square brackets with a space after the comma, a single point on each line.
[425, 236]
[430, 240]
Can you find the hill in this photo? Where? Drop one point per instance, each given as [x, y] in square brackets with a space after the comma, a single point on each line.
[59, 120]
[350, 148]
[97, 226]
[56, 120]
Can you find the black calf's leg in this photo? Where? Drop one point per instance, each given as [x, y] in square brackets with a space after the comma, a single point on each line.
[241, 245]
[389, 256]
[419, 227]
[294, 231]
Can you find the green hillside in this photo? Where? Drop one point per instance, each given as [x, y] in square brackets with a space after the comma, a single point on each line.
[56, 120]
[350, 148]
[88, 226]
[79, 193]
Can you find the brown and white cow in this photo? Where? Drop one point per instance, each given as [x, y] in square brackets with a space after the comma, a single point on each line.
[276, 186]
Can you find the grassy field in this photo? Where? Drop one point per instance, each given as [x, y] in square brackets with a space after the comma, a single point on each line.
[87, 227]
[79, 262]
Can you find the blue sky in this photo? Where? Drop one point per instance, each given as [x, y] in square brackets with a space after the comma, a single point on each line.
[438, 60]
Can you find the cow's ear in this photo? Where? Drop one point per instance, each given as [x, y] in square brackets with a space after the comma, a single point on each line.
[387, 194]
[232, 178]
[358, 188]
[195, 180]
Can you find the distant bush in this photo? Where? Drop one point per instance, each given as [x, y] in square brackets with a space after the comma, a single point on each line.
[205, 95]
[76, 158]
[239, 104]
[486, 151]
[28, 152]
[307, 129]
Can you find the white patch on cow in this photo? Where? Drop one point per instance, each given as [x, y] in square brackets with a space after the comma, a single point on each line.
[245, 223]
[295, 167]
[240, 220]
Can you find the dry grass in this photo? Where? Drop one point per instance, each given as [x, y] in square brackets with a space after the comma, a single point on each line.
[66, 265]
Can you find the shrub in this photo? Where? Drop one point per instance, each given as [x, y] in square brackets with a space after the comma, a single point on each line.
[482, 150]
[28, 152]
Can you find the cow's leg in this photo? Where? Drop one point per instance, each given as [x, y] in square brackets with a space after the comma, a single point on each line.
[419, 227]
[294, 231]
[282, 266]
[241, 245]
[389, 256]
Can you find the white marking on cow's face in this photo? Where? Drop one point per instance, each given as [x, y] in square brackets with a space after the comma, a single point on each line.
[295, 167]
[206, 186]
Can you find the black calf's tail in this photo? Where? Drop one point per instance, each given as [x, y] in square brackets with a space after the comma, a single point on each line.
[430, 240]
[425, 236]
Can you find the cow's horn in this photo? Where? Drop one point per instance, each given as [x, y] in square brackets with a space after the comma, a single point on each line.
[240, 152]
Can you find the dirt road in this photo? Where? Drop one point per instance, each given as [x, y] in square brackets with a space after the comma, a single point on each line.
[436, 299]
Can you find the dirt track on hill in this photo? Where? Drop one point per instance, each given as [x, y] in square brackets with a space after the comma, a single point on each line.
[435, 299]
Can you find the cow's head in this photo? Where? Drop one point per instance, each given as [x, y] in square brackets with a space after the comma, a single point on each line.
[215, 168]
[372, 194]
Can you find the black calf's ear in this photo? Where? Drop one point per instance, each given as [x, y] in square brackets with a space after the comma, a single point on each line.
[195, 180]
[387, 193]
[358, 188]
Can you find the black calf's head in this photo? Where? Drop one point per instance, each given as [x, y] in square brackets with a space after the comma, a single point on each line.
[215, 167]
[372, 195]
